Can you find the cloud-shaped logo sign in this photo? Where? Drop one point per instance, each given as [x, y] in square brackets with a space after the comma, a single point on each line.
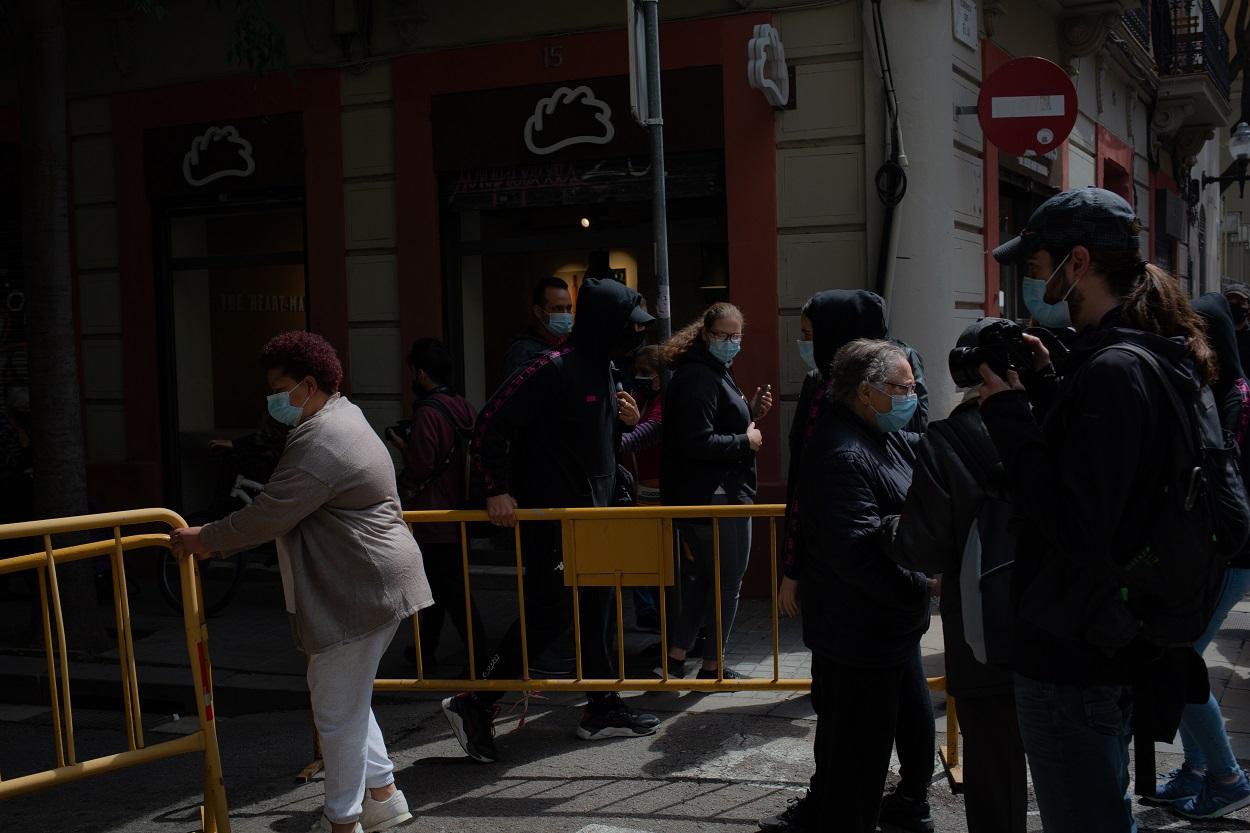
[571, 104]
[766, 65]
[220, 152]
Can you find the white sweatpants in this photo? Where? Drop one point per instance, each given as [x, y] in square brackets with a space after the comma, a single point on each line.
[341, 683]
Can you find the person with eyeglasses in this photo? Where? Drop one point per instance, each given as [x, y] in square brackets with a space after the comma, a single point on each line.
[710, 443]
[863, 615]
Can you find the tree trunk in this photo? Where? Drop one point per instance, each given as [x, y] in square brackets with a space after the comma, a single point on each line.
[56, 407]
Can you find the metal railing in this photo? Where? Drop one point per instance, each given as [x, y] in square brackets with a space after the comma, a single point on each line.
[1184, 36]
[214, 814]
[622, 548]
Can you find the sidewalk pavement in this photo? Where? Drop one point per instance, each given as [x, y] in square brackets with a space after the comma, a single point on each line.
[719, 762]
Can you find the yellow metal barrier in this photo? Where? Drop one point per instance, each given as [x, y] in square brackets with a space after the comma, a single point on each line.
[621, 547]
[215, 817]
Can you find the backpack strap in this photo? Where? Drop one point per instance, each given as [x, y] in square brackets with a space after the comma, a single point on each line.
[1178, 407]
[459, 438]
[1243, 419]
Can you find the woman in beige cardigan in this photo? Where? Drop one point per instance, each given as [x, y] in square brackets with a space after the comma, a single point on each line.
[351, 570]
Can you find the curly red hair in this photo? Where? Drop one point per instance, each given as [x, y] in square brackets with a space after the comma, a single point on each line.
[299, 354]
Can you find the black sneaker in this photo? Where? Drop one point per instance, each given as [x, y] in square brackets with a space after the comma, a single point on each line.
[710, 674]
[789, 820]
[905, 813]
[611, 718]
[473, 725]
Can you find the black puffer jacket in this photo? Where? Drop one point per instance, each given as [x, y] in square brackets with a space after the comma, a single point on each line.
[1083, 486]
[838, 317]
[705, 440]
[1231, 389]
[547, 436]
[859, 607]
[945, 496]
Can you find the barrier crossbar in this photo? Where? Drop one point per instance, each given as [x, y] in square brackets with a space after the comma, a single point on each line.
[214, 813]
[618, 548]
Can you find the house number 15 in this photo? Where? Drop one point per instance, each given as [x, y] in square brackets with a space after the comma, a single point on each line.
[553, 56]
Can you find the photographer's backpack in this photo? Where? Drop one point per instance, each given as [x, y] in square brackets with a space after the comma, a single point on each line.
[1198, 522]
[989, 550]
[457, 453]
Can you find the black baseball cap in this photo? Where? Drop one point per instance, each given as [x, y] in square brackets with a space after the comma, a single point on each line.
[1092, 217]
[638, 315]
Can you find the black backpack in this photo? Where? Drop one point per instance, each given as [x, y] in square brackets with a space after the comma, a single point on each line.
[410, 487]
[989, 552]
[1199, 521]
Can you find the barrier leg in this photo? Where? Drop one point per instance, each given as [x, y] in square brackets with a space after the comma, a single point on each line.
[51, 656]
[951, 754]
[216, 813]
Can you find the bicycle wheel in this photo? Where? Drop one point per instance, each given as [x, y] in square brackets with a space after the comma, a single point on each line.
[220, 579]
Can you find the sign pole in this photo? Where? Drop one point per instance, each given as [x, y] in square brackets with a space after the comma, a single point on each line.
[655, 126]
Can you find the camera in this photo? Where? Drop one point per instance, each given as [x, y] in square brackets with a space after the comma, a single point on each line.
[1000, 345]
[401, 430]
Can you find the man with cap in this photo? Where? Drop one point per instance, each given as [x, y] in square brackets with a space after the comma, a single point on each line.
[547, 438]
[1083, 481]
[1238, 297]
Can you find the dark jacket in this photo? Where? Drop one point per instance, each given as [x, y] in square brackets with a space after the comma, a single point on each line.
[705, 440]
[838, 317]
[527, 346]
[1231, 390]
[945, 496]
[433, 439]
[859, 607]
[1083, 485]
[548, 436]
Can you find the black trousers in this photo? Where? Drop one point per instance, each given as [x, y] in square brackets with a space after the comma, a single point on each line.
[856, 714]
[914, 736]
[549, 613]
[445, 571]
[996, 794]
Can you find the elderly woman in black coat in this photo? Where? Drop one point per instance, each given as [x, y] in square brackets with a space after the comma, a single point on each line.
[863, 615]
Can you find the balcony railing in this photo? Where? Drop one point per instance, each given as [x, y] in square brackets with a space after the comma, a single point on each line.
[1184, 37]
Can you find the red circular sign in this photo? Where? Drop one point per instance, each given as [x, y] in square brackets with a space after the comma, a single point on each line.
[1027, 106]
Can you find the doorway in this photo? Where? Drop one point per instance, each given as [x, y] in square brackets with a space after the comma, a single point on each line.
[231, 279]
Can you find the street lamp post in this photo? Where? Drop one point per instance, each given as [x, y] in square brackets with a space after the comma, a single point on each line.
[1239, 148]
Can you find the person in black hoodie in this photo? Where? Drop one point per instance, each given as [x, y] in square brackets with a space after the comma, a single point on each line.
[956, 471]
[710, 440]
[1083, 483]
[1210, 783]
[863, 615]
[830, 320]
[547, 439]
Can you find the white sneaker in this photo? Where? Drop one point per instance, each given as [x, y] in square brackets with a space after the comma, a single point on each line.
[383, 815]
[324, 826]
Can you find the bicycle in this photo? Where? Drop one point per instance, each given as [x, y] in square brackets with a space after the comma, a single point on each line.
[220, 578]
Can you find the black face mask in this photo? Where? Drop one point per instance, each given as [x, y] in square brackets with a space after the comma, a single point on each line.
[628, 344]
[417, 389]
[1239, 314]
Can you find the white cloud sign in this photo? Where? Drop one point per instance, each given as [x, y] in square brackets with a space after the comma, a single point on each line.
[197, 172]
[540, 127]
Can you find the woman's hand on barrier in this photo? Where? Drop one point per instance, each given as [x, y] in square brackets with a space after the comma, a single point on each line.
[502, 510]
[788, 597]
[186, 542]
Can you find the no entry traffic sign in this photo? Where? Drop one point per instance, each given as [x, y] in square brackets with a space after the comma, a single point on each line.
[1027, 106]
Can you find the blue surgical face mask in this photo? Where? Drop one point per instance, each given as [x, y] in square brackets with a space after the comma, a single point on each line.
[281, 409]
[560, 323]
[902, 408]
[724, 351]
[807, 352]
[1054, 316]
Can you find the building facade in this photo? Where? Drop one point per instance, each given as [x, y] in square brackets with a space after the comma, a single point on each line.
[419, 165]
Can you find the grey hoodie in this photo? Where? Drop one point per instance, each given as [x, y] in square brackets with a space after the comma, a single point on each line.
[351, 566]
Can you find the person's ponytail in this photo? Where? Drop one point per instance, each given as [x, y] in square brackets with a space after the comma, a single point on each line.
[1153, 302]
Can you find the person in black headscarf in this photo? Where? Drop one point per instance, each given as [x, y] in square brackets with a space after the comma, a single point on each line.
[1210, 782]
[1238, 297]
[830, 320]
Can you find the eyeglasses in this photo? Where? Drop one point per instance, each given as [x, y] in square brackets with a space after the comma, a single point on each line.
[736, 338]
[906, 389]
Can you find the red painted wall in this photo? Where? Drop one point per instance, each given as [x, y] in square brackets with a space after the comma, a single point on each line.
[316, 95]
[750, 170]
